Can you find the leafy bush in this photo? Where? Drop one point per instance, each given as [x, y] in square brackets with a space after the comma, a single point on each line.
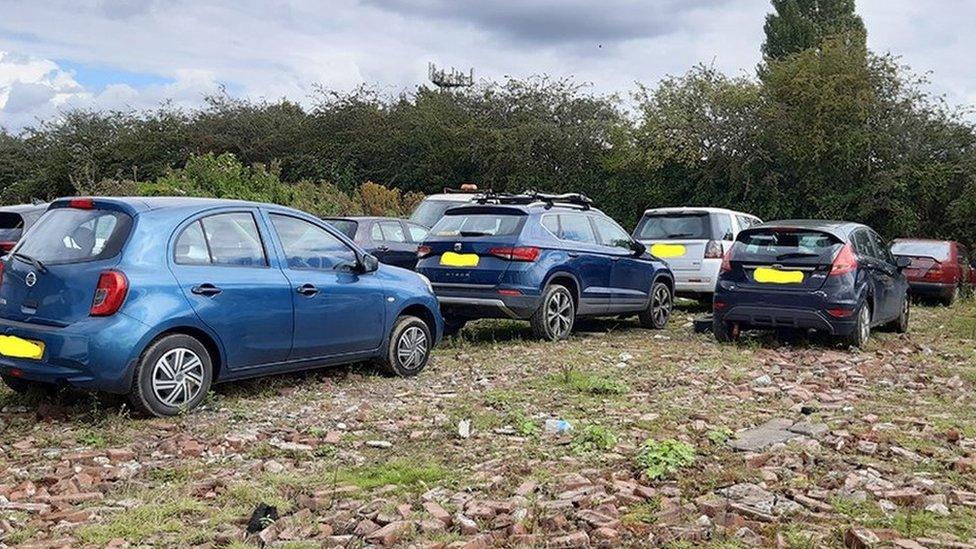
[662, 458]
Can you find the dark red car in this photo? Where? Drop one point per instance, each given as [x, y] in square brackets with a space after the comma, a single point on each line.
[939, 268]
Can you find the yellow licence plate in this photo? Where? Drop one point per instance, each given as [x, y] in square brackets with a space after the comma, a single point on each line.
[665, 251]
[16, 347]
[452, 259]
[769, 275]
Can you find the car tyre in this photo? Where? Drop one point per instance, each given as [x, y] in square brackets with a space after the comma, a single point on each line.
[409, 348]
[173, 376]
[725, 332]
[951, 298]
[900, 324]
[659, 310]
[453, 326]
[862, 327]
[554, 318]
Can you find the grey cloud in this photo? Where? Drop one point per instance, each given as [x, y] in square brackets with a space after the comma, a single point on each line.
[25, 97]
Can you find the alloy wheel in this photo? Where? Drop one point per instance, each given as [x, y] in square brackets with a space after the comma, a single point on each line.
[559, 314]
[412, 348]
[864, 323]
[177, 377]
[661, 305]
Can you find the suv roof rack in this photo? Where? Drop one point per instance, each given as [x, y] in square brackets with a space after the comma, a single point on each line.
[531, 197]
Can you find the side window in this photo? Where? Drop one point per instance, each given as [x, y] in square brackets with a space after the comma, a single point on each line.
[551, 223]
[392, 231]
[376, 233]
[962, 255]
[722, 226]
[308, 246]
[862, 244]
[191, 246]
[881, 249]
[576, 228]
[222, 239]
[745, 222]
[417, 232]
[610, 233]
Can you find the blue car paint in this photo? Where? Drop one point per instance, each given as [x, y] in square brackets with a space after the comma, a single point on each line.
[589, 269]
[877, 283]
[252, 337]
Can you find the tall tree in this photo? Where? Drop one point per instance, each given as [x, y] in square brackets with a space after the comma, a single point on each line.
[798, 25]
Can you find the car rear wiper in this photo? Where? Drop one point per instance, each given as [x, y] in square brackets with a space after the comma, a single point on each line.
[473, 233]
[680, 235]
[32, 260]
[791, 255]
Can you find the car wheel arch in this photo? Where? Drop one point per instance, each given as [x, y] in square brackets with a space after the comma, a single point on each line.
[422, 312]
[207, 339]
[566, 279]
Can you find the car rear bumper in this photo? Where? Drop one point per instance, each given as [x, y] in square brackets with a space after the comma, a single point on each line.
[484, 302]
[91, 354]
[936, 289]
[787, 317]
[698, 282]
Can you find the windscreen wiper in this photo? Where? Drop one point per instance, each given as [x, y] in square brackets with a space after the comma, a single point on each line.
[791, 255]
[32, 260]
[680, 235]
[473, 233]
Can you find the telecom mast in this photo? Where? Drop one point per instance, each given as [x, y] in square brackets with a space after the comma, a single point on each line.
[449, 79]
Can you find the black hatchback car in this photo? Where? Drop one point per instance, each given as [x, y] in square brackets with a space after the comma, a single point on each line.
[833, 276]
[393, 241]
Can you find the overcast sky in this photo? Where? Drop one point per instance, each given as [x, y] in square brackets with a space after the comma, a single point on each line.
[134, 54]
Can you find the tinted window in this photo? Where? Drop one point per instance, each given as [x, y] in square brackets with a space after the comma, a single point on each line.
[233, 239]
[801, 246]
[611, 234]
[915, 248]
[68, 235]
[191, 246]
[430, 212]
[881, 249]
[345, 226]
[11, 226]
[863, 245]
[392, 231]
[478, 224]
[576, 228]
[676, 226]
[723, 226]
[308, 246]
[417, 232]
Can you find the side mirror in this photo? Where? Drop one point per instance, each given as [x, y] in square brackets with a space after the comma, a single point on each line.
[368, 263]
[638, 247]
[901, 261]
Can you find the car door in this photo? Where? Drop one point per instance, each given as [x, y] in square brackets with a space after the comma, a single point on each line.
[590, 261]
[338, 310]
[888, 277]
[416, 234]
[864, 250]
[221, 263]
[399, 251]
[630, 276]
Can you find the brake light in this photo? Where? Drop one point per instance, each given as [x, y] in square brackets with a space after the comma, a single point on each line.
[713, 250]
[935, 271]
[518, 253]
[424, 251]
[726, 262]
[510, 292]
[845, 262]
[2, 266]
[719, 305]
[110, 293]
[840, 313]
[7, 245]
[81, 203]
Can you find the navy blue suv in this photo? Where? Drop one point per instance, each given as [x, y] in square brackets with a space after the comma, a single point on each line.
[548, 259]
[833, 276]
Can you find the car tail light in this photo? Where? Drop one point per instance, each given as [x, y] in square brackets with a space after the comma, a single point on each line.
[935, 271]
[2, 266]
[424, 251]
[519, 253]
[839, 312]
[7, 245]
[510, 292]
[719, 305]
[82, 203]
[110, 293]
[845, 262]
[726, 262]
[713, 250]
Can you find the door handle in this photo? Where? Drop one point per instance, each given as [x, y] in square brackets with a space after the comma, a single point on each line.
[573, 254]
[307, 290]
[383, 248]
[206, 290]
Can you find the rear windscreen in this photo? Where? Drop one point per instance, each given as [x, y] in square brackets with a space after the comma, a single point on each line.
[11, 226]
[67, 235]
[675, 226]
[480, 224]
[344, 226]
[938, 251]
[430, 211]
[791, 245]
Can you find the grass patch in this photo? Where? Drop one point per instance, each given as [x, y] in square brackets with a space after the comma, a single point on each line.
[662, 458]
[594, 384]
[139, 524]
[397, 472]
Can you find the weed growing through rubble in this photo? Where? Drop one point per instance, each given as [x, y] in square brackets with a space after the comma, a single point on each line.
[395, 472]
[719, 435]
[661, 458]
[593, 438]
[595, 384]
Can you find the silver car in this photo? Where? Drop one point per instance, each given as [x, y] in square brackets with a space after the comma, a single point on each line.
[693, 242]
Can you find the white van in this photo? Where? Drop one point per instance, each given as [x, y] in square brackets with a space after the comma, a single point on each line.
[692, 241]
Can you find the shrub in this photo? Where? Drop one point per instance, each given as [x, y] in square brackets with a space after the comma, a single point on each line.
[662, 458]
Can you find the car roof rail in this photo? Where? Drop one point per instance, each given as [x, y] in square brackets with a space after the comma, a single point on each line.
[532, 197]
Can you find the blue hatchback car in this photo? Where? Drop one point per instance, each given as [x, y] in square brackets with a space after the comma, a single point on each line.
[832, 276]
[158, 298]
[547, 259]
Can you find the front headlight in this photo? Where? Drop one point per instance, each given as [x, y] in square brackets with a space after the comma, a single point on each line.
[427, 282]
